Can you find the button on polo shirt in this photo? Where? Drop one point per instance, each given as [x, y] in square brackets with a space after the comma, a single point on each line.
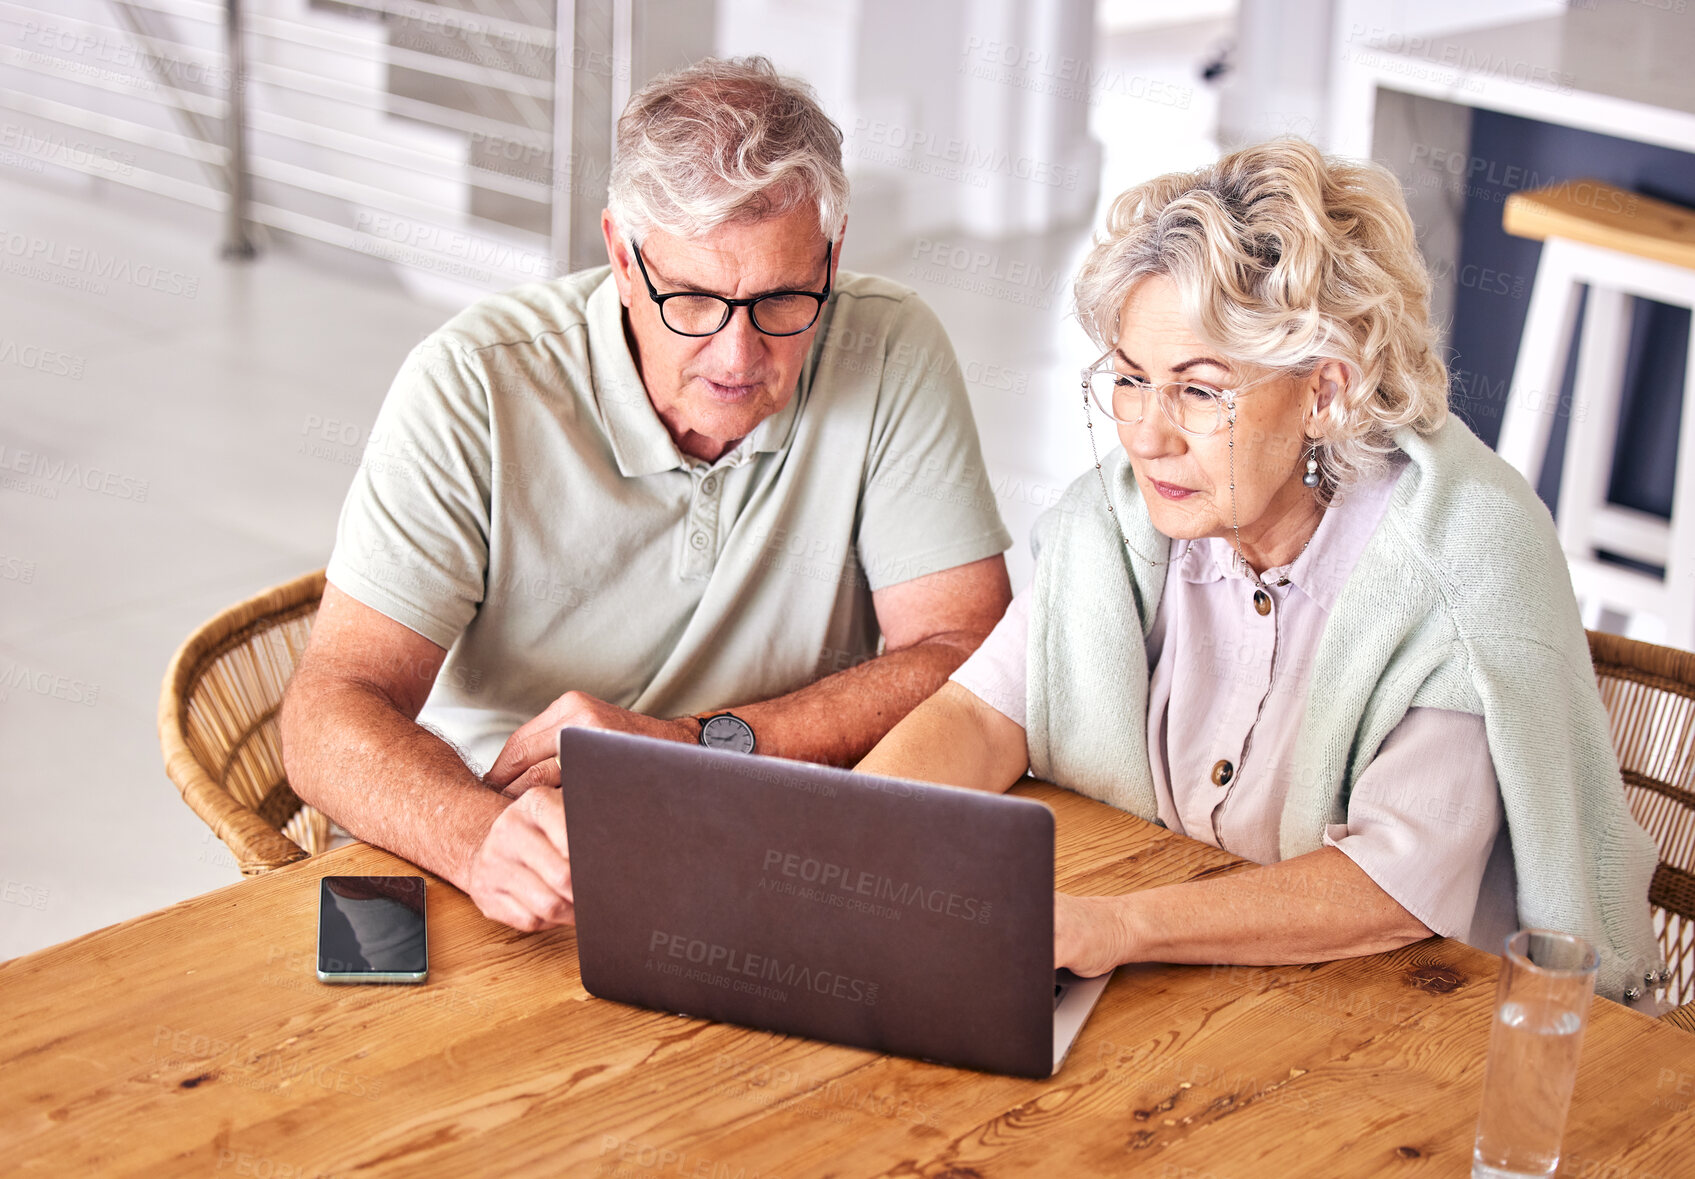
[521, 504]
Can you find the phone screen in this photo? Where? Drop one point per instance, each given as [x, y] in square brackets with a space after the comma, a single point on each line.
[372, 929]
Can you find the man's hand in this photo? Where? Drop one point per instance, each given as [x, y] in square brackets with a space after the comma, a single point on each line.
[520, 875]
[1089, 936]
[530, 756]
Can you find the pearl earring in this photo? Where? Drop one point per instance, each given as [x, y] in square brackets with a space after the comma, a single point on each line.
[1310, 479]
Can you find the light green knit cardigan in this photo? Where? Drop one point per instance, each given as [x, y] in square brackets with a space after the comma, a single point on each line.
[1461, 600]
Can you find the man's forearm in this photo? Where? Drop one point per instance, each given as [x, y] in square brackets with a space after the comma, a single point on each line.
[382, 776]
[839, 718]
[1313, 908]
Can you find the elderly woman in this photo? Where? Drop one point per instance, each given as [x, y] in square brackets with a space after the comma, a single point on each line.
[1303, 615]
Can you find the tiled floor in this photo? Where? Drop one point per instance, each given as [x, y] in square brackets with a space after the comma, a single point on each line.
[158, 462]
[191, 444]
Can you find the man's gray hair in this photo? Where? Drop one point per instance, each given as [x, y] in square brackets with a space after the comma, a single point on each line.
[722, 141]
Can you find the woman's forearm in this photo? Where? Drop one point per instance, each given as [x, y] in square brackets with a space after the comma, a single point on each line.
[1313, 908]
[955, 739]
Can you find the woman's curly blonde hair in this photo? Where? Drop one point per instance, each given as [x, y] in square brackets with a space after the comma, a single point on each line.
[1284, 259]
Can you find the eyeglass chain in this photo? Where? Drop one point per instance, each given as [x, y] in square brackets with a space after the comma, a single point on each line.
[1310, 479]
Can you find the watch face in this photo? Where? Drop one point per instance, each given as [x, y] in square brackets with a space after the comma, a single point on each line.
[727, 732]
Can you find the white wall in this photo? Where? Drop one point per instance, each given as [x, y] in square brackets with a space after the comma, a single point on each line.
[1414, 18]
[1289, 52]
[957, 113]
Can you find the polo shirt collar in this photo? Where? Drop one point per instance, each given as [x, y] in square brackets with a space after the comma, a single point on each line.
[773, 434]
[639, 440]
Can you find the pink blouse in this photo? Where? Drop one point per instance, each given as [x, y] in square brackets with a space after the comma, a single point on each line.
[1424, 818]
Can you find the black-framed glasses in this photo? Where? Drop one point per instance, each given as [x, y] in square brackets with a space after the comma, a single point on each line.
[776, 313]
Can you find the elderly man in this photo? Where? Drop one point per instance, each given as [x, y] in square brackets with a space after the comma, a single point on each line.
[681, 496]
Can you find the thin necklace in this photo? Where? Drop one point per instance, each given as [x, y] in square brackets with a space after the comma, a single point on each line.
[1241, 558]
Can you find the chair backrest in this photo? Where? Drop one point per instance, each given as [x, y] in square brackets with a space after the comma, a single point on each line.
[218, 726]
[1649, 693]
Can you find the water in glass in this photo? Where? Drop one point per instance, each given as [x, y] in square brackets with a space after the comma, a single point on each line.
[1531, 1070]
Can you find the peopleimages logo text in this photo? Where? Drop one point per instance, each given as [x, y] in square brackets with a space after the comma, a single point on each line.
[712, 956]
[52, 470]
[871, 884]
[32, 248]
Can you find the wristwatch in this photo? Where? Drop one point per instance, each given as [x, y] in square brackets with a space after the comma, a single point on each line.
[726, 731]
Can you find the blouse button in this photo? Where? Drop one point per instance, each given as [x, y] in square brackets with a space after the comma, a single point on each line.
[1262, 602]
[1222, 772]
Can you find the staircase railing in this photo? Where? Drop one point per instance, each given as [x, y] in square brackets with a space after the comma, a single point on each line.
[426, 133]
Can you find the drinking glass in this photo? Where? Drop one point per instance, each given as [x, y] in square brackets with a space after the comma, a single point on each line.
[1541, 1007]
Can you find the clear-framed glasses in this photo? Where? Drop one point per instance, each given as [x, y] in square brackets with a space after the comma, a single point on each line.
[776, 313]
[1194, 407]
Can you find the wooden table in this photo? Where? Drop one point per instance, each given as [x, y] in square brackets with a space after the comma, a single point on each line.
[196, 1040]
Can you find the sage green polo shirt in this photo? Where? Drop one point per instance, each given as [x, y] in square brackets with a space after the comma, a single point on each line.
[521, 505]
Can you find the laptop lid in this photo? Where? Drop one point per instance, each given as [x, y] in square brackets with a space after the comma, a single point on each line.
[890, 915]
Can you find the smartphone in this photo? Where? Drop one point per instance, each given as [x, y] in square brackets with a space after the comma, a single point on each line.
[371, 929]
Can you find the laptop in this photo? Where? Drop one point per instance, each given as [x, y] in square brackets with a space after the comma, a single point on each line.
[897, 916]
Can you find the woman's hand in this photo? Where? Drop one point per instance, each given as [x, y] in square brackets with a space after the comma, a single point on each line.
[1089, 934]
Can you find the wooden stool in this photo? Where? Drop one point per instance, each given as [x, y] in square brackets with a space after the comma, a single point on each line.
[1619, 244]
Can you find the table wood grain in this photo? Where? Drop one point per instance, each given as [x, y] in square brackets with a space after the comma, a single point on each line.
[197, 1041]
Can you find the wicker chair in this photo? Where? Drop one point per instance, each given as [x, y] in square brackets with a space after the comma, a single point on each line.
[1649, 692]
[218, 726]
